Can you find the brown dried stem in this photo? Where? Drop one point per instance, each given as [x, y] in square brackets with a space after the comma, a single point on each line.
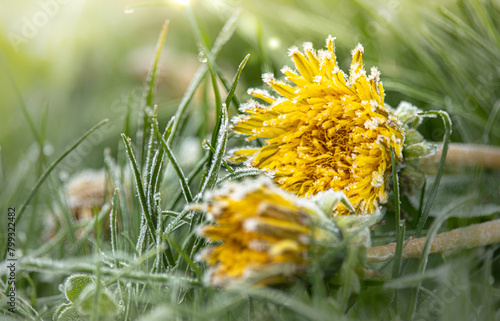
[467, 155]
[461, 238]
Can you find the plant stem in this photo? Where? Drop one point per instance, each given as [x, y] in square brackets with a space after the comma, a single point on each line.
[468, 155]
[461, 238]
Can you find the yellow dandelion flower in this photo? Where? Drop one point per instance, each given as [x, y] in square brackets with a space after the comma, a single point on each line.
[325, 131]
[266, 233]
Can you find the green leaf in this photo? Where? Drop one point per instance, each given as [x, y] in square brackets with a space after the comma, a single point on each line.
[412, 136]
[75, 284]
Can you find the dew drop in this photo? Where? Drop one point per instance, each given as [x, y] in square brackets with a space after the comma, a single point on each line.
[128, 11]
[201, 57]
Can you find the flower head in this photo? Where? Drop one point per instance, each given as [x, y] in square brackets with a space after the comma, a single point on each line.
[325, 130]
[266, 233]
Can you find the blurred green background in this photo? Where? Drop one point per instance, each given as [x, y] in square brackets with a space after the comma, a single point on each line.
[76, 62]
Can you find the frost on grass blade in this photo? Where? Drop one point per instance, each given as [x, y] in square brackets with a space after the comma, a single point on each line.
[241, 173]
[220, 149]
[142, 234]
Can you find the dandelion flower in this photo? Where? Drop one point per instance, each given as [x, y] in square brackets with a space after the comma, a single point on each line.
[325, 130]
[264, 234]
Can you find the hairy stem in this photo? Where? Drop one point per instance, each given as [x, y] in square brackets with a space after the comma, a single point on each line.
[461, 238]
[468, 155]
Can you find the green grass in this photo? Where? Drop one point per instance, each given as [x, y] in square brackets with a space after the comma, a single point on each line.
[139, 250]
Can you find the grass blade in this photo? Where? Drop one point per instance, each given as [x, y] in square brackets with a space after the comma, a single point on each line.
[149, 93]
[241, 173]
[113, 222]
[180, 174]
[212, 173]
[396, 269]
[446, 140]
[138, 183]
[212, 149]
[235, 81]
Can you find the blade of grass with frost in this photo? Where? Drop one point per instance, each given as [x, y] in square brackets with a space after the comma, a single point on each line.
[150, 167]
[113, 224]
[225, 34]
[231, 90]
[116, 173]
[158, 161]
[432, 194]
[236, 78]
[240, 173]
[29, 264]
[226, 165]
[195, 171]
[139, 184]
[166, 259]
[212, 173]
[219, 106]
[155, 177]
[218, 102]
[180, 175]
[149, 93]
[225, 83]
[174, 224]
